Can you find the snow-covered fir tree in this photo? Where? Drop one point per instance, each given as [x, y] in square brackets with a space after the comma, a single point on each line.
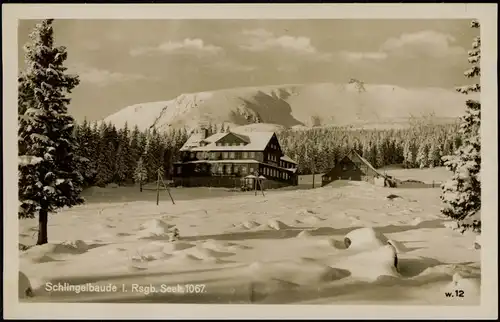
[461, 195]
[122, 153]
[48, 172]
[105, 158]
[434, 155]
[422, 159]
[140, 173]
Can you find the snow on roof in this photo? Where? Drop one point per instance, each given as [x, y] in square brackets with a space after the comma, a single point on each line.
[368, 164]
[257, 141]
[288, 159]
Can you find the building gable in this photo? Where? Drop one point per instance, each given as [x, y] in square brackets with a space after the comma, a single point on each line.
[232, 139]
[274, 145]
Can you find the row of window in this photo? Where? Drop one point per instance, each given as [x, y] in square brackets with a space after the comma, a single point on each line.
[230, 144]
[230, 169]
[270, 172]
[223, 155]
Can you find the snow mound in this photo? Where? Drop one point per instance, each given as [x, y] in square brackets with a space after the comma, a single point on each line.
[277, 225]
[306, 212]
[365, 238]
[46, 252]
[311, 220]
[148, 257]
[371, 265]
[25, 288]
[304, 234]
[216, 245]
[451, 225]
[417, 221]
[300, 272]
[184, 258]
[331, 242]
[205, 254]
[250, 224]
[155, 224]
[176, 246]
[157, 228]
[477, 242]
[463, 286]
[246, 225]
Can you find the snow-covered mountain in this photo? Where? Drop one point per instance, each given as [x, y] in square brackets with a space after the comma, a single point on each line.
[296, 106]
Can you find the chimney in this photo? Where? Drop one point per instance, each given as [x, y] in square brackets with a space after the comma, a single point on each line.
[203, 132]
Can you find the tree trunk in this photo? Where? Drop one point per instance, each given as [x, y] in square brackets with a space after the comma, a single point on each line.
[43, 217]
[314, 175]
[140, 186]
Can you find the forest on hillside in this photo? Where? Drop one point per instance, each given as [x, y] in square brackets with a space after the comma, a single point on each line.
[419, 146]
[122, 156]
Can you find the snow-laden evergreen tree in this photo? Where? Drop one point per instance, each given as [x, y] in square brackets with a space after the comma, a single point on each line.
[461, 195]
[434, 155]
[140, 173]
[48, 172]
[105, 158]
[422, 159]
[153, 159]
[86, 151]
[122, 158]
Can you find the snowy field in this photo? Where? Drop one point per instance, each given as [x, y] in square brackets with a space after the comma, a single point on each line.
[284, 247]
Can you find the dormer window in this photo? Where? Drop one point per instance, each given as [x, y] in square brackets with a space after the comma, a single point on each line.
[242, 144]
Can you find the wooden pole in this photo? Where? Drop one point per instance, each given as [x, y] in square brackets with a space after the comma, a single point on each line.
[314, 175]
[168, 190]
[158, 188]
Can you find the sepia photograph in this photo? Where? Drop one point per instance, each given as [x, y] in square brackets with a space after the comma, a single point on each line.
[259, 162]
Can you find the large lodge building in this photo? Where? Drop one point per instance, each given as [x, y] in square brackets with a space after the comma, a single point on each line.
[226, 159]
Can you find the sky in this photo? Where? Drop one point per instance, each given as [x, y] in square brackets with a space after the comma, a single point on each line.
[126, 62]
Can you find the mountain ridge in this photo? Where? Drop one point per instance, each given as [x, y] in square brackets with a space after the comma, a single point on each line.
[295, 105]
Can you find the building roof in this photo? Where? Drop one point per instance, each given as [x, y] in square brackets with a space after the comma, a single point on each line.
[365, 162]
[257, 141]
[368, 164]
[288, 159]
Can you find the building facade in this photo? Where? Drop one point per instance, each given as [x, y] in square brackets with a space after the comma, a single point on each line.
[225, 159]
[353, 167]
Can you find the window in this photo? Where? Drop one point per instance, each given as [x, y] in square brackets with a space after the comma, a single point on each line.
[226, 144]
[242, 144]
[245, 155]
[213, 156]
[224, 155]
[217, 144]
[243, 169]
[179, 170]
[228, 169]
[191, 155]
[251, 169]
[198, 155]
[232, 155]
[219, 169]
[251, 154]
